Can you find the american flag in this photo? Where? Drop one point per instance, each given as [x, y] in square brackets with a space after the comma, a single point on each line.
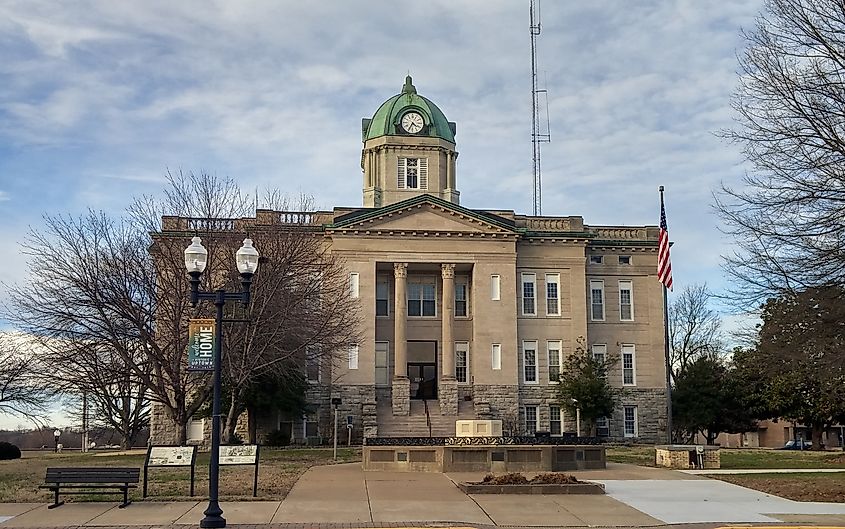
[664, 264]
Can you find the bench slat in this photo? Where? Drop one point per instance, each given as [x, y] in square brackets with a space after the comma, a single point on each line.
[93, 475]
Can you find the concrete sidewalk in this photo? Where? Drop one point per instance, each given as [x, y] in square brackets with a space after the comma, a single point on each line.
[345, 494]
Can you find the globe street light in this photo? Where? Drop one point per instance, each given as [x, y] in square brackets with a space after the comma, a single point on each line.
[196, 259]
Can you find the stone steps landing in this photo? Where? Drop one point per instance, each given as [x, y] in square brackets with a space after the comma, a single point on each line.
[415, 425]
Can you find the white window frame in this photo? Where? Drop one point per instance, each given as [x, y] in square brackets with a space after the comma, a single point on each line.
[626, 284]
[629, 349]
[354, 284]
[462, 281]
[528, 278]
[600, 350]
[352, 355]
[560, 416]
[402, 173]
[496, 356]
[553, 279]
[386, 365]
[597, 284]
[596, 259]
[309, 353]
[386, 282]
[625, 258]
[536, 418]
[532, 345]
[558, 344]
[495, 287]
[462, 347]
[422, 281]
[635, 431]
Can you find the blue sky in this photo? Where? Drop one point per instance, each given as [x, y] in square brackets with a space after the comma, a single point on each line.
[98, 99]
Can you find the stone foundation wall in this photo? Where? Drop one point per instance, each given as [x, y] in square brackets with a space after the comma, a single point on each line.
[651, 415]
[401, 396]
[447, 394]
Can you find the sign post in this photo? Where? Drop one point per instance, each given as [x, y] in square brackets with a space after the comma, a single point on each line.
[335, 402]
[201, 338]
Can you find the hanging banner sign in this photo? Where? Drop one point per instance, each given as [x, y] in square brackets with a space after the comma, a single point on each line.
[201, 345]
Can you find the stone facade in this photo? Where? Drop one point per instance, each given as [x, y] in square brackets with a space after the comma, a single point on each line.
[473, 308]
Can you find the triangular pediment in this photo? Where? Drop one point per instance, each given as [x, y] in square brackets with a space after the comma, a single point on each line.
[424, 214]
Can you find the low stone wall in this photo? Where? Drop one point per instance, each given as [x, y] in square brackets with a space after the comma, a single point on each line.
[480, 458]
[684, 457]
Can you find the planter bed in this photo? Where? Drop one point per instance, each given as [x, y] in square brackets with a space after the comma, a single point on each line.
[569, 488]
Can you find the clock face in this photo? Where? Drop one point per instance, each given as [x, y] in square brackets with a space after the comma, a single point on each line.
[412, 123]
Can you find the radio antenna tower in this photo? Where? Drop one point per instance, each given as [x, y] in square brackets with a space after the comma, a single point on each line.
[537, 135]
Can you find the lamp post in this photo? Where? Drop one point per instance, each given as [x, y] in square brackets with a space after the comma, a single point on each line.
[196, 259]
[577, 418]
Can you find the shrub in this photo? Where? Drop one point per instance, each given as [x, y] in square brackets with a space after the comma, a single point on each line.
[505, 479]
[515, 478]
[277, 438]
[9, 451]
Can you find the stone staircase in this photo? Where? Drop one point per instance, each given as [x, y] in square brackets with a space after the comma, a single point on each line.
[415, 424]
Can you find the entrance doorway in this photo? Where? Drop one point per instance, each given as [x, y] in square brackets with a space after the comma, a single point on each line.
[423, 377]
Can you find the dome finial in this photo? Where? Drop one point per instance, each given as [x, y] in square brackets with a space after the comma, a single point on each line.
[409, 87]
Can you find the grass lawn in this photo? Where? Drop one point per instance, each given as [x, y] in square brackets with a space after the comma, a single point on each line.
[799, 487]
[278, 470]
[739, 457]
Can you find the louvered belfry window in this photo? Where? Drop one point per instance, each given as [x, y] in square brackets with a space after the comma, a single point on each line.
[413, 173]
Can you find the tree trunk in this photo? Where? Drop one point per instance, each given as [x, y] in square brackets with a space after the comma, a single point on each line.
[817, 434]
[231, 421]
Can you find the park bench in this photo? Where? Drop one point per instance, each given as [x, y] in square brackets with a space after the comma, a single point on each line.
[88, 479]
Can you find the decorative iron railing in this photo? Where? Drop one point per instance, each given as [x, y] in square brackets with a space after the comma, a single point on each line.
[201, 224]
[480, 441]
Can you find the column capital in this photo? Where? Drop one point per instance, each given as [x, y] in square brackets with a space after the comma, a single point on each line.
[447, 271]
[400, 270]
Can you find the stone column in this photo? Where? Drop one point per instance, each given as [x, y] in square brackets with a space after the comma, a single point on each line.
[401, 384]
[448, 392]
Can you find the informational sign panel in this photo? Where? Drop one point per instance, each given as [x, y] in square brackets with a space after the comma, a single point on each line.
[239, 455]
[201, 345]
[170, 456]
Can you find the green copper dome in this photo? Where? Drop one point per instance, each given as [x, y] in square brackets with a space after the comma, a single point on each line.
[386, 120]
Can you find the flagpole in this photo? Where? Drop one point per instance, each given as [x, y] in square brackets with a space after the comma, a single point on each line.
[666, 351]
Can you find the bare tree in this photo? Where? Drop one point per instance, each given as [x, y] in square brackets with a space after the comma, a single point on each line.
[20, 395]
[788, 220]
[694, 328]
[116, 397]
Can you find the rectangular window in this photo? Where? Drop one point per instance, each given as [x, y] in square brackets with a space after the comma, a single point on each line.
[495, 287]
[312, 365]
[596, 259]
[630, 413]
[624, 259]
[531, 420]
[196, 429]
[553, 294]
[421, 297]
[353, 356]
[626, 301]
[382, 295]
[529, 300]
[555, 420]
[597, 300]
[629, 366]
[602, 427]
[529, 362]
[412, 173]
[497, 356]
[554, 350]
[382, 375]
[461, 299]
[600, 352]
[462, 362]
[310, 425]
[353, 285]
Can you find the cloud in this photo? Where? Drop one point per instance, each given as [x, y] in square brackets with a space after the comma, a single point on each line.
[4, 196]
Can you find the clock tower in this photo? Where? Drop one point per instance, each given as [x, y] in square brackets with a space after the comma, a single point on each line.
[409, 150]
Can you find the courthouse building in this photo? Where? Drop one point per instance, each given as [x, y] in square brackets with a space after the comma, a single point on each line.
[471, 313]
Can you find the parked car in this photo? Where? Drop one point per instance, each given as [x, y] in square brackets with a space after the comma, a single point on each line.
[797, 444]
